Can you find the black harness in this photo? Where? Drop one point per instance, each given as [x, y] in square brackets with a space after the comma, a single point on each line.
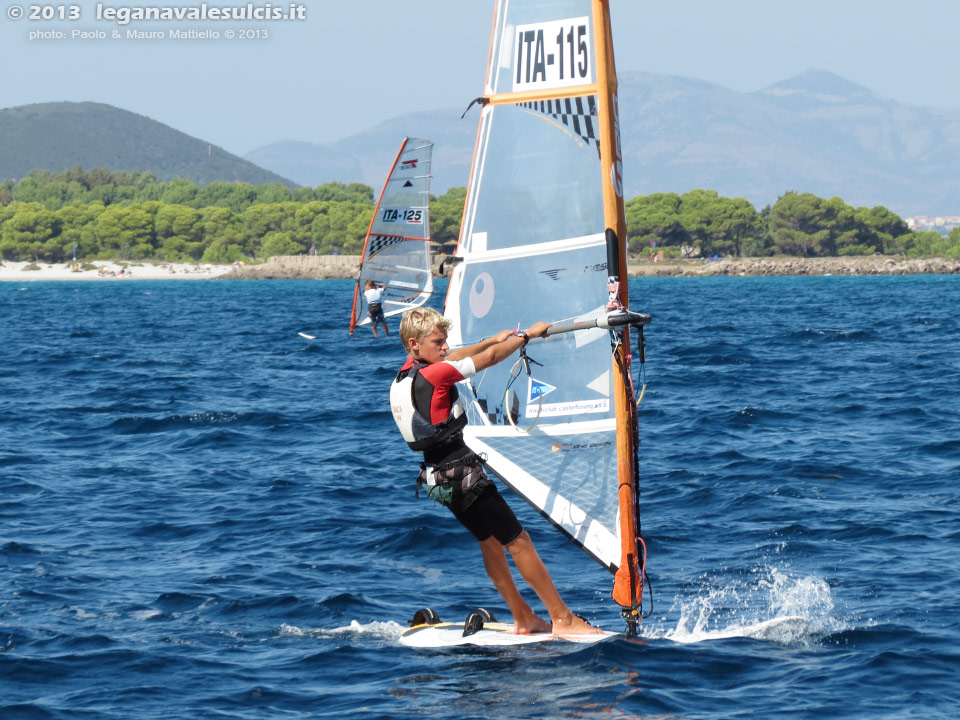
[457, 483]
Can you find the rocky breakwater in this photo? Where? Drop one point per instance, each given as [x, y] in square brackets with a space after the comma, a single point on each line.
[319, 267]
[859, 265]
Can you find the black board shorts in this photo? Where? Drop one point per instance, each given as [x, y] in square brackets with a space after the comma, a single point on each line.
[375, 312]
[490, 515]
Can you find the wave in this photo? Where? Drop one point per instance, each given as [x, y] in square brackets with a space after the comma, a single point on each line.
[767, 604]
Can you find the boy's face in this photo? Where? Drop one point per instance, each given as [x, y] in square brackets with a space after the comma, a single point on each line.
[432, 348]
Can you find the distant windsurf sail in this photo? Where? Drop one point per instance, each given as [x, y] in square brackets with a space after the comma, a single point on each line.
[543, 238]
[396, 252]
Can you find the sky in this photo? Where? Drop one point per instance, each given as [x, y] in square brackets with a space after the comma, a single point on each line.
[350, 64]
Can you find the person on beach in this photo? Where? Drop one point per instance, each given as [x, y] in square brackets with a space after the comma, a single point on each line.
[425, 406]
[372, 294]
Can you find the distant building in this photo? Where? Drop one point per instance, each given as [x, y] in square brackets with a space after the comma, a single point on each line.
[943, 224]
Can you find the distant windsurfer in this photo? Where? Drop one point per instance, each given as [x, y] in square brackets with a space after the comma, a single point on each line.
[424, 402]
[372, 294]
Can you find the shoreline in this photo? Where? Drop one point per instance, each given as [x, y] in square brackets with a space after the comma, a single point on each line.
[109, 271]
[344, 267]
[795, 266]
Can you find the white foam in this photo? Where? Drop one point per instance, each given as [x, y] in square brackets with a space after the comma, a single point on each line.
[377, 630]
[770, 605]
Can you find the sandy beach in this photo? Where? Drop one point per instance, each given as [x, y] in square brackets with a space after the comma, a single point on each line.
[106, 271]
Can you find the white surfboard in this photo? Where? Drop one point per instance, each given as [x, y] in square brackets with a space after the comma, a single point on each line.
[493, 634]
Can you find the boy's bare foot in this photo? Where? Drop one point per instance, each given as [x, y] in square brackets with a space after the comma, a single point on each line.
[574, 625]
[530, 625]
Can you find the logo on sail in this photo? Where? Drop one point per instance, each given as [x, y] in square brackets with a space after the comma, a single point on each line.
[536, 389]
[575, 407]
[481, 295]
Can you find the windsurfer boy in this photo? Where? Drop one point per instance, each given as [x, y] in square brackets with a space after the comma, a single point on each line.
[424, 402]
[372, 294]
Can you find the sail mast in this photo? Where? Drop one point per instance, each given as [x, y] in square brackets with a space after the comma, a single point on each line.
[627, 587]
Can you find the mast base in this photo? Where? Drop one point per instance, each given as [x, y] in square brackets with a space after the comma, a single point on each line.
[631, 616]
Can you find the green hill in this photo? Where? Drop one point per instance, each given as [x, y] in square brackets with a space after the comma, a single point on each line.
[59, 135]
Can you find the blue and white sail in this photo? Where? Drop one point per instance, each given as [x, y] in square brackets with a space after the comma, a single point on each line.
[543, 238]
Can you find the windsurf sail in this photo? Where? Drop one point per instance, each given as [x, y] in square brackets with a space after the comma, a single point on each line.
[396, 252]
[543, 238]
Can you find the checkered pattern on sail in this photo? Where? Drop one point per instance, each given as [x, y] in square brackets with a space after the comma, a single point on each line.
[380, 242]
[578, 114]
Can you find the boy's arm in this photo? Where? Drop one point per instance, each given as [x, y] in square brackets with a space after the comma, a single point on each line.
[471, 350]
[503, 345]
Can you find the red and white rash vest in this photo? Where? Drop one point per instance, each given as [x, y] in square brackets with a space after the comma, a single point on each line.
[425, 402]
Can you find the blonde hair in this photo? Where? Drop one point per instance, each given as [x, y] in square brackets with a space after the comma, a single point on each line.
[419, 323]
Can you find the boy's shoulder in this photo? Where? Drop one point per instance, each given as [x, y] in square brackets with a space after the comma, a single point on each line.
[455, 370]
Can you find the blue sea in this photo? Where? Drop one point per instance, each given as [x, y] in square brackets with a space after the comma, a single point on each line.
[205, 515]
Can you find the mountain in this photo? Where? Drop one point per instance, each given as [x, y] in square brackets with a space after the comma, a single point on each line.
[366, 156]
[59, 135]
[816, 132]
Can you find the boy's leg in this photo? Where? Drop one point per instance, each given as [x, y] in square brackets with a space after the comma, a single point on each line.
[525, 620]
[530, 565]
